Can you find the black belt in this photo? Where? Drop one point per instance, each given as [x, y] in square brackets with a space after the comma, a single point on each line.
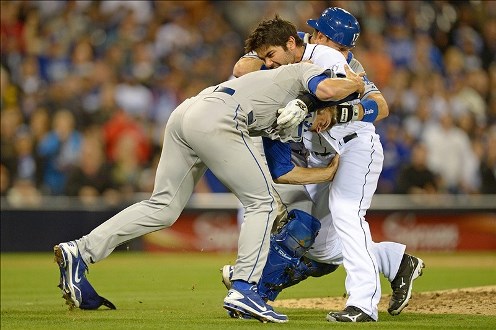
[226, 90]
[350, 137]
[231, 91]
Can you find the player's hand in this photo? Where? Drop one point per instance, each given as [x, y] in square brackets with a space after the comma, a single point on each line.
[333, 167]
[357, 78]
[291, 115]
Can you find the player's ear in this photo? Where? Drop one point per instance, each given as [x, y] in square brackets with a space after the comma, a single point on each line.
[320, 36]
[291, 43]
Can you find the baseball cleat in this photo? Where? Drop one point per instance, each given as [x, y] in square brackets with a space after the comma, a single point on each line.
[237, 313]
[410, 269]
[227, 273]
[243, 299]
[76, 289]
[349, 314]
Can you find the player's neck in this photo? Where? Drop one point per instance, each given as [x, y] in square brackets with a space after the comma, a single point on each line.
[299, 51]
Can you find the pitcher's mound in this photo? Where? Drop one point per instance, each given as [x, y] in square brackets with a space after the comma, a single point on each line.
[479, 300]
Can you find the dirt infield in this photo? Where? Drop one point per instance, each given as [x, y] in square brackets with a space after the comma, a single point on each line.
[479, 300]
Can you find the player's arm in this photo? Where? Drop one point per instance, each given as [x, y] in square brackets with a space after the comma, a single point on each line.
[334, 89]
[248, 63]
[282, 170]
[325, 88]
[374, 105]
[371, 108]
[305, 175]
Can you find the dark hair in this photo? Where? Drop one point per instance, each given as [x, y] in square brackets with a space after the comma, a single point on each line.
[273, 32]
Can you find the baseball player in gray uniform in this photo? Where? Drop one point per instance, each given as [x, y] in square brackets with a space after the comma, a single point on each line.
[340, 235]
[211, 130]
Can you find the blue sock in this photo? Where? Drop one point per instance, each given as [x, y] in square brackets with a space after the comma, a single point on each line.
[241, 285]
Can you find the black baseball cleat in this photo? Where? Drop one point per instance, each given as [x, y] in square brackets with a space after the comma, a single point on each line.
[410, 269]
[349, 314]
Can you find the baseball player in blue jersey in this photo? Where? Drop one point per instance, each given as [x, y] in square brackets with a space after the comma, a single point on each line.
[212, 129]
[344, 233]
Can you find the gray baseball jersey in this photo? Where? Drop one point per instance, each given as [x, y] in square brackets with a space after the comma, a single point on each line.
[213, 130]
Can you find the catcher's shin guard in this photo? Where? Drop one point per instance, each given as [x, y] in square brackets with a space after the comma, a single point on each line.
[284, 266]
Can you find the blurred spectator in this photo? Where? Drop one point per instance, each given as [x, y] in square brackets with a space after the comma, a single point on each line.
[449, 155]
[10, 121]
[415, 177]
[488, 53]
[134, 98]
[119, 127]
[59, 151]
[9, 92]
[428, 58]
[488, 165]
[464, 99]
[416, 123]
[26, 158]
[31, 85]
[124, 66]
[92, 177]
[396, 153]
[4, 180]
[24, 193]
[400, 43]
[126, 167]
[376, 59]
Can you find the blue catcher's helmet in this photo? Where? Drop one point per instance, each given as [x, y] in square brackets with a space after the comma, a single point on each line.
[338, 25]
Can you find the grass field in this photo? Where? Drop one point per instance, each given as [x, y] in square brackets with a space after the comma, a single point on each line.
[184, 291]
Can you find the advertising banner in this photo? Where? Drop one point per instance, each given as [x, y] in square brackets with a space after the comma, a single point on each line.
[218, 231]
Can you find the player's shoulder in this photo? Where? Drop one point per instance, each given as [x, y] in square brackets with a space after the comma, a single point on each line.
[303, 69]
[354, 64]
[326, 52]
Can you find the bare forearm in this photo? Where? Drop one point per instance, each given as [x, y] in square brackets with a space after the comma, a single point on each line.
[335, 89]
[246, 65]
[382, 105]
[303, 175]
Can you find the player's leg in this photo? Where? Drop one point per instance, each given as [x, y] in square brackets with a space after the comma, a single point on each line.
[350, 196]
[287, 264]
[234, 160]
[388, 256]
[409, 269]
[178, 170]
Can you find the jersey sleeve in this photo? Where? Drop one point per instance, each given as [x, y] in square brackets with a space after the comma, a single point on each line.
[310, 71]
[252, 54]
[329, 58]
[370, 87]
[278, 155]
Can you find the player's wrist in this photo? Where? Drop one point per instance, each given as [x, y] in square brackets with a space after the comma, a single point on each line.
[346, 113]
[311, 101]
[370, 110]
[366, 110]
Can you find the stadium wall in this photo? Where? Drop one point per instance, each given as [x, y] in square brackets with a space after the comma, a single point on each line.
[209, 223]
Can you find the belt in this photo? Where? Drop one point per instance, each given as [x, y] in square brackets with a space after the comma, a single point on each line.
[230, 91]
[350, 137]
[226, 90]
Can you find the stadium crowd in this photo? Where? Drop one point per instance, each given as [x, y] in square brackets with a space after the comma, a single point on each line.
[87, 88]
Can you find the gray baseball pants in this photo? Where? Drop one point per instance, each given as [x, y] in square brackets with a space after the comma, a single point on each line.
[209, 130]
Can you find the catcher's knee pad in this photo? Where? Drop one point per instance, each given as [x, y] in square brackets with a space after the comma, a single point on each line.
[284, 266]
[298, 234]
